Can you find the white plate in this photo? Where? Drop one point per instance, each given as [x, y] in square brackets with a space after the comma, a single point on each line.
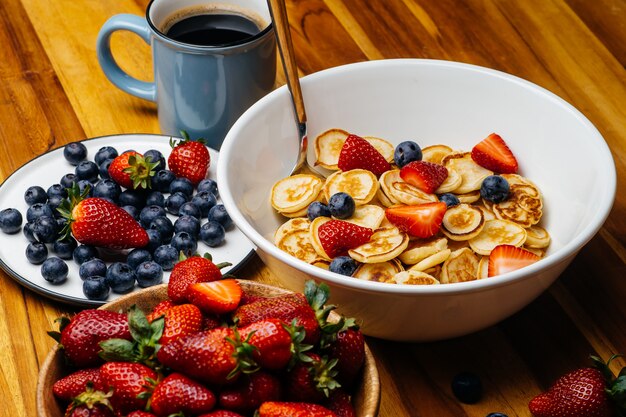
[48, 169]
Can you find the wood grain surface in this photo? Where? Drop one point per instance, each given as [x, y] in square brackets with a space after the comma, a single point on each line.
[52, 92]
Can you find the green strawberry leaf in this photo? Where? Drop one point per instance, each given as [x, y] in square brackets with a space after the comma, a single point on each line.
[116, 350]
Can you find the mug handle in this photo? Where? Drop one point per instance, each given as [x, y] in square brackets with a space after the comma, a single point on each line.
[111, 69]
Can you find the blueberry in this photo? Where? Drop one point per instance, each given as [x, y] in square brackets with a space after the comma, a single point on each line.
[132, 210]
[10, 220]
[495, 189]
[138, 256]
[106, 188]
[150, 213]
[204, 200]
[45, 229]
[450, 199]
[189, 209]
[29, 231]
[36, 253]
[120, 277]
[219, 214]
[212, 233]
[343, 265]
[61, 223]
[174, 201]
[341, 205]
[154, 240]
[103, 168]
[407, 151]
[189, 224]
[37, 210]
[92, 267]
[132, 198]
[54, 202]
[84, 253]
[87, 170]
[75, 152]
[208, 184]
[149, 273]
[65, 248]
[497, 415]
[35, 194]
[85, 186]
[54, 270]
[104, 153]
[96, 288]
[184, 242]
[164, 226]
[166, 256]
[317, 209]
[467, 387]
[155, 198]
[162, 180]
[155, 156]
[56, 189]
[68, 180]
[183, 185]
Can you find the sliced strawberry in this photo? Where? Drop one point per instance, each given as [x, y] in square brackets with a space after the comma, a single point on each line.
[494, 154]
[426, 176]
[357, 153]
[338, 236]
[506, 258]
[422, 220]
[216, 297]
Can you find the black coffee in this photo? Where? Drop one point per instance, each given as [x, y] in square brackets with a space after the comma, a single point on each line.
[215, 29]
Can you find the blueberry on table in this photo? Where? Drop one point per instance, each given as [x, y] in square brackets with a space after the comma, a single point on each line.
[36, 253]
[138, 256]
[85, 186]
[10, 220]
[155, 198]
[96, 288]
[212, 234]
[165, 227]
[174, 201]
[149, 213]
[162, 180]
[166, 256]
[54, 202]
[107, 188]
[68, 180]
[37, 210]
[189, 209]
[154, 240]
[204, 200]
[450, 199]
[84, 253]
[132, 198]
[208, 184]
[75, 152]
[467, 387]
[149, 273]
[56, 190]
[219, 214]
[155, 156]
[46, 229]
[87, 170]
[104, 153]
[184, 242]
[405, 152]
[317, 209]
[35, 194]
[495, 188]
[343, 265]
[54, 270]
[341, 205]
[189, 224]
[65, 248]
[92, 267]
[29, 231]
[132, 210]
[103, 169]
[183, 185]
[120, 277]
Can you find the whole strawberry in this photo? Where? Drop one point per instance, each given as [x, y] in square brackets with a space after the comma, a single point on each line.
[220, 413]
[340, 403]
[80, 337]
[349, 350]
[293, 409]
[189, 159]
[271, 343]
[250, 392]
[98, 222]
[76, 383]
[90, 403]
[130, 170]
[312, 380]
[181, 320]
[586, 392]
[179, 394]
[131, 383]
[191, 271]
[357, 153]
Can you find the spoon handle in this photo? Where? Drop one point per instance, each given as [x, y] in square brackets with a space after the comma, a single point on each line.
[285, 47]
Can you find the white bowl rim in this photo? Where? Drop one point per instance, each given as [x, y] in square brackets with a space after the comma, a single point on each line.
[566, 251]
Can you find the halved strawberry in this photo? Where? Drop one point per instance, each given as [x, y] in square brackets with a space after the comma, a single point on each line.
[338, 236]
[426, 176]
[216, 297]
[506, 258]
[494, 154]
[357, 153]
[421, 220]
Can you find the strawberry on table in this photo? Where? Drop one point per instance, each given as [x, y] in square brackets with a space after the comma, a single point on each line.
[357, 153]
[293, 409]
[507, 258]
[494, 154]
[131, 170]
[215, 297]
[338, 236]
[189, 159]
[190, 271]
[421, 220]
[131, 383]
[427, 176]
[180, 394]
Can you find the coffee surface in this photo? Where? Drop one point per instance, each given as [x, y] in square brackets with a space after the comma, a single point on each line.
[213, 29]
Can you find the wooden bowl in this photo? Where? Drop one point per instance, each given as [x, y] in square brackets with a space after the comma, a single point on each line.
[366, 398]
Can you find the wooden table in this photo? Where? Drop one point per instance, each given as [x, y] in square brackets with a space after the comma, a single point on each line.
[52, 91]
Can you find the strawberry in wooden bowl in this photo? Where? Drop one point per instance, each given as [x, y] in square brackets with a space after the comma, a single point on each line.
[228, 347]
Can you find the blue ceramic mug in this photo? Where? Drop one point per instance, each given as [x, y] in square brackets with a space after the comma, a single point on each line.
[199, 88]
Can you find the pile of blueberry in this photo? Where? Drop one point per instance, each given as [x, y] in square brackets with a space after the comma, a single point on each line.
[197, 214]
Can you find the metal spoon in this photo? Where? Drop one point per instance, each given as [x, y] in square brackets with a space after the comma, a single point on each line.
[278, 10]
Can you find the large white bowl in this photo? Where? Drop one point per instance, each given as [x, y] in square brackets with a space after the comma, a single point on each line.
[431, 102]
